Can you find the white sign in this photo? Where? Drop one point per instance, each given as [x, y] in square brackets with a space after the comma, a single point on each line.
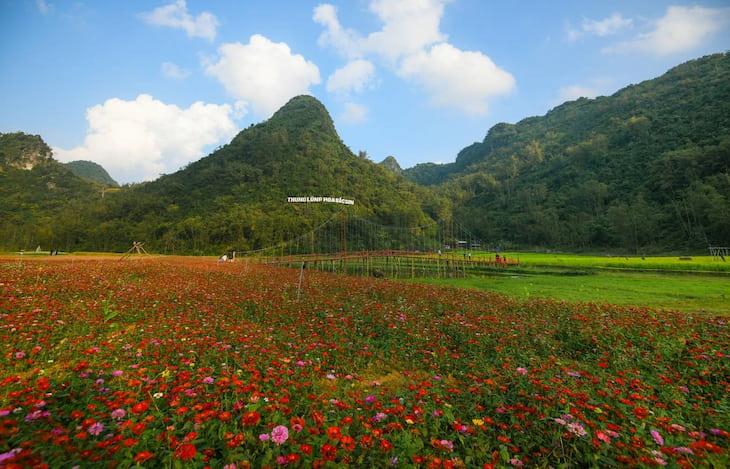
[319, 200]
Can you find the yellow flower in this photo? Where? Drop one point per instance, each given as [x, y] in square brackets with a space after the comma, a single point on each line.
[478, 422]
[409, 421]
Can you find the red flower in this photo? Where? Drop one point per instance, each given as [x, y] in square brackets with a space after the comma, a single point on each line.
[140, 407]
[306, 449]
[43, 383]
[251, 418]
[334, 433]
[640, 412]
[185, 452]
[329, 452]
[386, 445]
[143, 456]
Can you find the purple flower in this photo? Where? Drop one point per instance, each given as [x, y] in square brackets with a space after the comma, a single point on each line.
[683, 450]
[279, 434]
[9, 455]
[657, 437]
[118, 414]
[96, 428]
[379, 417]
[370, 399]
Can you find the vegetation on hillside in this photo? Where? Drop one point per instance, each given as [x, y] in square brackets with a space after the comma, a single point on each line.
[92, 172]
[236, 198]
[646, 168]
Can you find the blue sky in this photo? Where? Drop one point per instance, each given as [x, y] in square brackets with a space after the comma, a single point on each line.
[143, 87]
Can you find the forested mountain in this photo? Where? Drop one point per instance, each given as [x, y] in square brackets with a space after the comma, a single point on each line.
[40, 199]
[92, 172]
[646, 168]
[392, 164]
[237, 196]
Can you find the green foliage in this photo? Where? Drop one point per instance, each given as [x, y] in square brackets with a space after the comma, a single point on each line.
[235, 198]
[645, 169]
[92, 172]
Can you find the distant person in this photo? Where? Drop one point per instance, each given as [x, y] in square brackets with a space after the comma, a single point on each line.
[497, 259]
[223, 258]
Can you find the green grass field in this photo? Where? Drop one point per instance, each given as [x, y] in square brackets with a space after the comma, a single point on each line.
[687, 292]
[695, 263]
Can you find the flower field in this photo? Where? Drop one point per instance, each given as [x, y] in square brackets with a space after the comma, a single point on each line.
[189, 363]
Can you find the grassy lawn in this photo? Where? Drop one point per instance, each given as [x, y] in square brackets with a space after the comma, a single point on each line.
[695, 263]
[691, 293]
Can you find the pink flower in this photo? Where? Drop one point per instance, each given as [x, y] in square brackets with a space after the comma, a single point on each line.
[230, 466]
[96, 428]
[264, 437]
[683, 450]
[603, 437]
[117, 373]
[280, 434]
[522, 371]
[19, 355]
[208, 380]
[576, 429]
[118, 414]
[380, 416]
[370, 399]
[657, 437]
[447, 444]
[281, 460]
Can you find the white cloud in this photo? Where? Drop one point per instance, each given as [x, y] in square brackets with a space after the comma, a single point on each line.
[408, 27]
[464, 80]
[171, 70]
[43, 7]
[411, 43]
[139, 139]
[353, 77]
[681, 29]
[354, 113]
[605, 27]
[175, 15]
[346, 41]
[262, 73]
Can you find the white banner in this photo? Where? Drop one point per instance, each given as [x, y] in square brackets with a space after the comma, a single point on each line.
[319, 200]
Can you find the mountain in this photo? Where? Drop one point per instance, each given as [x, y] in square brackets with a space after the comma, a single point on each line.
[92, 172]
[41, 201]
[392, 164]
[22, 151]
[645, 168]
[237, 196]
